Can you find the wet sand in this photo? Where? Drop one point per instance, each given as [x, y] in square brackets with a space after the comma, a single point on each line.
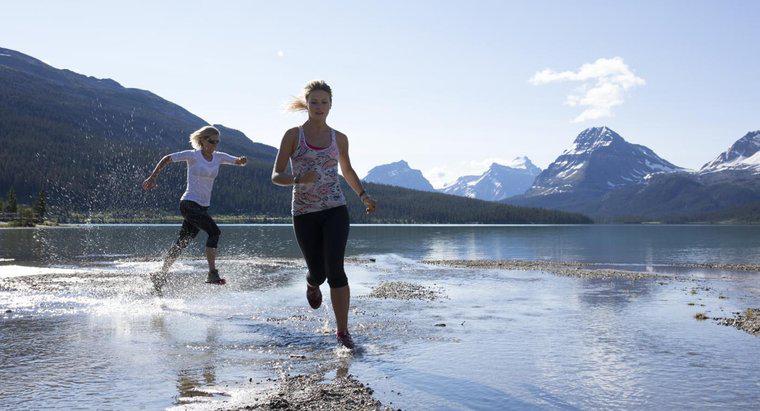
[747, 320]
[310, 392]
[566, 269]
[399, 290]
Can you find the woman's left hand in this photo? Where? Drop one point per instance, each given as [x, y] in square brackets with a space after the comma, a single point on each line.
[369, 202]
[241, 161]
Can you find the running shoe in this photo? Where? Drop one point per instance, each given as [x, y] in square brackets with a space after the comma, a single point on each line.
[344, 338]
[213, 278]
[313, 296]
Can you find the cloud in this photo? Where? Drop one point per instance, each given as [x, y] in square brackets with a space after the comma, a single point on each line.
[604, 84]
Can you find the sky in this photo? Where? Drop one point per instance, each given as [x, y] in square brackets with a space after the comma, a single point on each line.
[447, 86]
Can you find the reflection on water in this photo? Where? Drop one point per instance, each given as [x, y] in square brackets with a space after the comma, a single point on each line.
[618, 244]
[84, 331]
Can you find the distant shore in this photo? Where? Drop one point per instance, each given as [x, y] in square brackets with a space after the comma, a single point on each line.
[288, 220]
[583, 270]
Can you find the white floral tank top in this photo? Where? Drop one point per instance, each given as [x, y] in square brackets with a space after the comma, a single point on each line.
[325, 192]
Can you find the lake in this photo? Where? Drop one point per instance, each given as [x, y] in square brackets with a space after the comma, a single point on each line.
[79, 327]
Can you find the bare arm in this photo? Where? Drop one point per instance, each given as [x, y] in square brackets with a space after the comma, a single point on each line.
[280, 176]
[350, 175]
[150, 182]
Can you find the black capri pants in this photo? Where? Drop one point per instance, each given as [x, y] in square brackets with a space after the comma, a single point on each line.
[196, 219]
[322, 236]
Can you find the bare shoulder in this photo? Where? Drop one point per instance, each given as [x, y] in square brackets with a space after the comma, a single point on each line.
[291, 133]
[289, 142]
[291, 137]
[340, 138]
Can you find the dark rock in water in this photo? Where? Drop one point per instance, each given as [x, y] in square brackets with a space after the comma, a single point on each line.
[440, 325]
[400, 290]
[313, 393]
[748, 321]
[8, 311]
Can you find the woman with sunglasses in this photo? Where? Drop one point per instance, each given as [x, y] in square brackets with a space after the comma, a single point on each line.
[202, 168]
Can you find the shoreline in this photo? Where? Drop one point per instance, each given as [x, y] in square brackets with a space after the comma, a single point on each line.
[287, 221]
[583, 270]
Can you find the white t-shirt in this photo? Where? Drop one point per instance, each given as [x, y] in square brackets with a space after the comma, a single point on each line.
[201, 173]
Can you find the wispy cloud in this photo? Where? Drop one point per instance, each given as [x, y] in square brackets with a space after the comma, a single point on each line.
[604, 84]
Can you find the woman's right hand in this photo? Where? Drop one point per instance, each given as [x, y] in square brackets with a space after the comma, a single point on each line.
[149, 183]
[307, 177]
[369, 203]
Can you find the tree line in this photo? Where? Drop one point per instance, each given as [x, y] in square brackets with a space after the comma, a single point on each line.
[21, 215]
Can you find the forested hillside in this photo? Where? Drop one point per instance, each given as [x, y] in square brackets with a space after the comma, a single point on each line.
[89, 143]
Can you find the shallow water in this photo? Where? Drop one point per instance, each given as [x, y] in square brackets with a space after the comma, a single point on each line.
[84, 331]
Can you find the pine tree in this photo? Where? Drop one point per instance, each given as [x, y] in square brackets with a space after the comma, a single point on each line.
[39, 208]
[11, 207]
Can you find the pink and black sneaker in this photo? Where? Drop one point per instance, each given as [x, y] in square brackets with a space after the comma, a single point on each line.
[344, 338]
[314, 296]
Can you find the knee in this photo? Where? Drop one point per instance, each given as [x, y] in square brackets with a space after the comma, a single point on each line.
[316, 279]
[338, 280]
[213, 238]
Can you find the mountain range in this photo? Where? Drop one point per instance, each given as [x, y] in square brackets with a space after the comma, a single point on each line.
[604, 176]
[399, 174]
[496, 183]
[89, 143]
[609, 178]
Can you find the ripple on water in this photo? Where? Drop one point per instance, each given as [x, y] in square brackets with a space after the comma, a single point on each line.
[511, 338]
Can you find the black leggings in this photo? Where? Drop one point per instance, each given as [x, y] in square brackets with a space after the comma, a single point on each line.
[322, 236]
[196, 219]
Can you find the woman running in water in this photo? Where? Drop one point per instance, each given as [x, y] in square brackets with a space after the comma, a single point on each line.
[202, 167]
[320, 216]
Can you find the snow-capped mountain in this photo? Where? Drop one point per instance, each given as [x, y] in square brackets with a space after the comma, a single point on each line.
[498, 182]
[744, 154]
[598, 161]
[399, 174]
[604, 176]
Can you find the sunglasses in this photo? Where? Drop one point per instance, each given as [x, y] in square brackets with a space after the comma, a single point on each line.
[212, 141]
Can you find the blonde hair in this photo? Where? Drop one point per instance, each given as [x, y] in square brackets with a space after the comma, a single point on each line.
[202, 133]
[300, 104]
